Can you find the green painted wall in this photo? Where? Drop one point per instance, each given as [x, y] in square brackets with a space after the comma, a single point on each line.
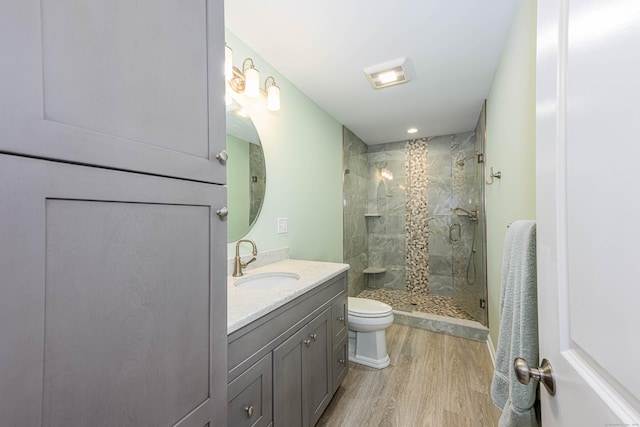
[511, 120]
[303, 154]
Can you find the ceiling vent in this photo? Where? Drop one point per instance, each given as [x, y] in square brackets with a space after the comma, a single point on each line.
[389, 73]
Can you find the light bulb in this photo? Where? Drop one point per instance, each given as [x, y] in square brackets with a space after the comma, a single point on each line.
[273, 98]
[252, 82]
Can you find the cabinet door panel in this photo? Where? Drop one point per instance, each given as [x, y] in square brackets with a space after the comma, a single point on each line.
[112, 299]
[127, 85]
[290, 392]
[319, 365]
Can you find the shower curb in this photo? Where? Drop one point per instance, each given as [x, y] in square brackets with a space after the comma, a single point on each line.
[442, 324]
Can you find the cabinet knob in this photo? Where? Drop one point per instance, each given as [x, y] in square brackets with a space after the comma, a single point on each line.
[222, 212]
[313, 336]
[307, 342]
[222, 156]
[249, 411]
[341, 361]
[341, 319]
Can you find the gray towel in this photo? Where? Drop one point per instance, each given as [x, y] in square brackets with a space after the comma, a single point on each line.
[518, 335]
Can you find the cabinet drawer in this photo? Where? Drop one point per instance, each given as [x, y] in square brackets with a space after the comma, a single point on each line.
[250, 396]
[340, 362]
[339, 318]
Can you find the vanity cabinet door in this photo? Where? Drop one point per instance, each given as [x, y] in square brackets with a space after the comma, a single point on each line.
[250, 396]
[319, 350]
[112, 298]
[290, 386]
[129, 85]
[302, 374]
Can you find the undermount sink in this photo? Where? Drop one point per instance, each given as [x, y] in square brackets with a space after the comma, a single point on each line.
[265, 281]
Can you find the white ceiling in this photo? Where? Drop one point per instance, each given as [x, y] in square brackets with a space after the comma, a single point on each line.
[322, 47]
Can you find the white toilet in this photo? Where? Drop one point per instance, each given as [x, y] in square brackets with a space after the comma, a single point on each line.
[367, 321]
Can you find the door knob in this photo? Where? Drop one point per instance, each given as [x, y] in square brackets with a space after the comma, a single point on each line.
[314, 336]
[307, 342]
[543, 374]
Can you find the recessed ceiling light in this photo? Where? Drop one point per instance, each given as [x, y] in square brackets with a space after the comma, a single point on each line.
[388, 73]
[412, 130]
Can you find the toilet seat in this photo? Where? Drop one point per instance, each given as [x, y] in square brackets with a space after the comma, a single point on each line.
[368, 308]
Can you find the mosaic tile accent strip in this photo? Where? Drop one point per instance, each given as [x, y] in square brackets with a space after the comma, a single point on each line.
[417, 224]
[402, 300]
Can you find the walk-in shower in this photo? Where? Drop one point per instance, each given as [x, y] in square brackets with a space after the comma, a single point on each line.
[414, 220]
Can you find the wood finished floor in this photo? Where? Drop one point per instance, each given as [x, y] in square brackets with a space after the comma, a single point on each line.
[433, 380]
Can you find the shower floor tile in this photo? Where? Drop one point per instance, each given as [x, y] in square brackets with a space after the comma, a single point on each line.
[405, 301]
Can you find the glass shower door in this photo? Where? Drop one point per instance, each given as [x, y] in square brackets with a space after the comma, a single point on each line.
[469, 252]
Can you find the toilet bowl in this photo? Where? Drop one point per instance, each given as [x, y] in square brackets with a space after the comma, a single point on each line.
[368, 320]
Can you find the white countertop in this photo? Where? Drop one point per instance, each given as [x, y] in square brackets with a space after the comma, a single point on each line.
[247, 305]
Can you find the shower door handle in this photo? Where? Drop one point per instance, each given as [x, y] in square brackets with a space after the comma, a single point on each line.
[453, 233]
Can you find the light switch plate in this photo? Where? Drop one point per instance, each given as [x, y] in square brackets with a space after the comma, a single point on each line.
[282, 225]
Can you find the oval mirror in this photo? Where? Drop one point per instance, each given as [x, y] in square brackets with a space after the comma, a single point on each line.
[246, 173]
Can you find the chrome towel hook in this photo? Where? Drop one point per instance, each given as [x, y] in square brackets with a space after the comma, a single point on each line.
[497, 175]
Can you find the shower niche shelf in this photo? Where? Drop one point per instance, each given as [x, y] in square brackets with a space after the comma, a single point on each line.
[374, 270]
[372, 215]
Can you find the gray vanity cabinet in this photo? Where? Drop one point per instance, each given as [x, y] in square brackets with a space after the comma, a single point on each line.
[302, 338]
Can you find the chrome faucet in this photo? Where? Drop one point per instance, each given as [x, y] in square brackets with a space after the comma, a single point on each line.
[238, 265]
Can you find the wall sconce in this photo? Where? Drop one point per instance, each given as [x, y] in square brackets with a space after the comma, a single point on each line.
[247, 81]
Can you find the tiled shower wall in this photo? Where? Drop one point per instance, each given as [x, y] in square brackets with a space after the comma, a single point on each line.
[386, 198]
[447, 231]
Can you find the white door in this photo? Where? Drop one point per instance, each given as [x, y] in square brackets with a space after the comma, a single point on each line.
[588, 126]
